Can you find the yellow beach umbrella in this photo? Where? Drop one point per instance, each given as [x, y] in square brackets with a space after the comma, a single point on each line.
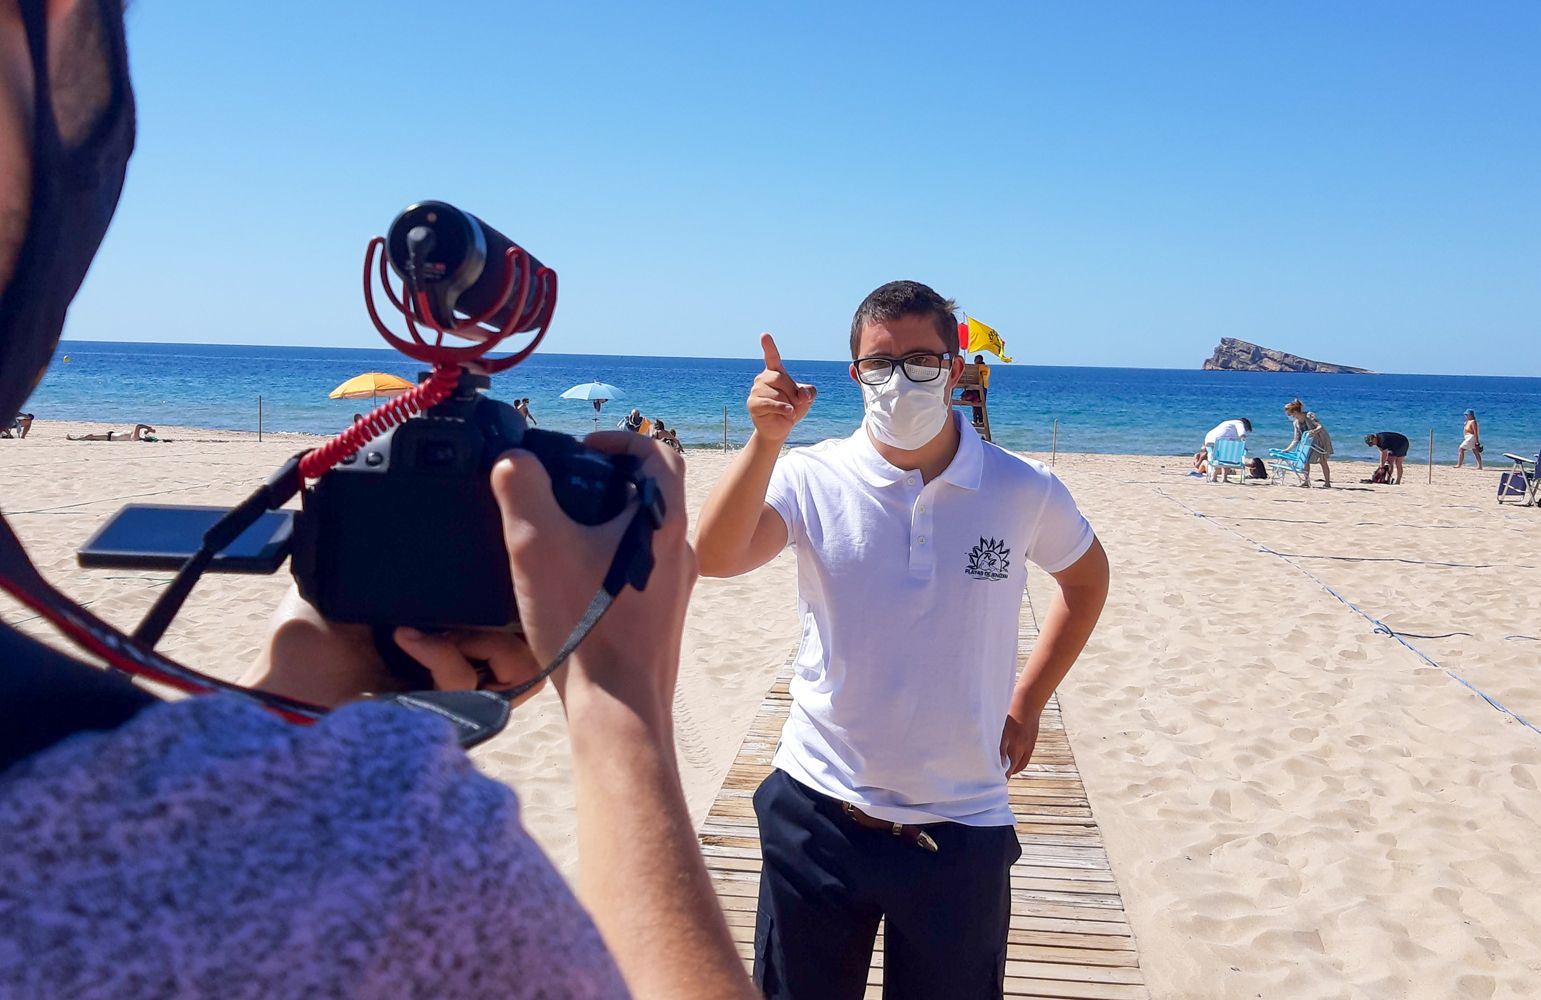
[371, 385]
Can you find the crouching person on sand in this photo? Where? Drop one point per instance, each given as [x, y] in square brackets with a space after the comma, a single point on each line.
[912, 537]
[1393, 450]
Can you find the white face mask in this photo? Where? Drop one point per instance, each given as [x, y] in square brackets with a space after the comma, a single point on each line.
[905, 414]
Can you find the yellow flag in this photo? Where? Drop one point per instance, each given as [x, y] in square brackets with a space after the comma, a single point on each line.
[984, 338]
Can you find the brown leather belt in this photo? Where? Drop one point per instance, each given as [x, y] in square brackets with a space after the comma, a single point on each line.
[914, 834]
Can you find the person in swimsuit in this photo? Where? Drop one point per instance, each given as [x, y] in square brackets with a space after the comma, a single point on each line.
[141, 432]
[1471, 442]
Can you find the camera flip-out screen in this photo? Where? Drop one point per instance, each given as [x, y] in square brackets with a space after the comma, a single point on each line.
[164, 536]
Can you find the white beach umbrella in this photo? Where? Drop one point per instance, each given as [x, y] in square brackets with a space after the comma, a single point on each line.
[595, 392]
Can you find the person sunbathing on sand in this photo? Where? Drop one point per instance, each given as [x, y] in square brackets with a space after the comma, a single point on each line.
[141, 432]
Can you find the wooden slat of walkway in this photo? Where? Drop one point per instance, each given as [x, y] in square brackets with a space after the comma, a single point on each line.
[1068, 938]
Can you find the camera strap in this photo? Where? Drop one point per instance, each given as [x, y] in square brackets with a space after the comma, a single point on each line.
[129, 654]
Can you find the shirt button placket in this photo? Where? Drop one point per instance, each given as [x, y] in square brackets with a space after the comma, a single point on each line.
[922, 562]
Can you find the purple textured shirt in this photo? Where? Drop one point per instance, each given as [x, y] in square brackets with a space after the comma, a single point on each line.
[207, 848]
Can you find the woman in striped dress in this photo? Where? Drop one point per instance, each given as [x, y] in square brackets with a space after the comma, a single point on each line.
[1321, 441]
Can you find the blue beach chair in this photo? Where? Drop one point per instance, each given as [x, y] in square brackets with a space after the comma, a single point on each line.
[1227, 454]
[1282, 463]
[1520, 483]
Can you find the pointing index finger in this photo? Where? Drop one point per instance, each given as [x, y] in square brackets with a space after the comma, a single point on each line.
[772, 356]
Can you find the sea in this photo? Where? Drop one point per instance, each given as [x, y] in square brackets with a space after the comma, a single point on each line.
[1139, 411]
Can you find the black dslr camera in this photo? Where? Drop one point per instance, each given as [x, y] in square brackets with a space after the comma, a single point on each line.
[399, 525]
[406, 531]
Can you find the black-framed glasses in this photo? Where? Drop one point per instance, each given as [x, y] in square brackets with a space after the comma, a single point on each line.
[919, 367]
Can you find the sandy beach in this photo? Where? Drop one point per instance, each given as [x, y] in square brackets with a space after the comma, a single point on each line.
[1295, 804]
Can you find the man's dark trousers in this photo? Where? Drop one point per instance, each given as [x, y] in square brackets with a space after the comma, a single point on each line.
[825, 881]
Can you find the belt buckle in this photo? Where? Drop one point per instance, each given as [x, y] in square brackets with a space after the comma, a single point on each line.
[921, 838]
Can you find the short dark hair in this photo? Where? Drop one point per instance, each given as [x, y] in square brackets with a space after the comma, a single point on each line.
[1247, 424]
[906, 298]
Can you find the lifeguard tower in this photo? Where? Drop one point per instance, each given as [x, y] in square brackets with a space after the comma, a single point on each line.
[968, 386]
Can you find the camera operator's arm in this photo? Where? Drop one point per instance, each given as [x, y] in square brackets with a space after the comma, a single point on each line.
[739, 531]
[640, 871]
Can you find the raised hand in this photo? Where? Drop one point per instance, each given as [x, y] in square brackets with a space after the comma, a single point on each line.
[776, 402]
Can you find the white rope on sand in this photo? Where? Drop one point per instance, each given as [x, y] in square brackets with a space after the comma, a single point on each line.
[1376, 624]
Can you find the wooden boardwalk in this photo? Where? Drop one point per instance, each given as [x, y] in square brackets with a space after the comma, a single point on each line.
[1069, 937]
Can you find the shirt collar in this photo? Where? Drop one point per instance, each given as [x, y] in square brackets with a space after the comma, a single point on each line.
[963, 471]
[968, 464]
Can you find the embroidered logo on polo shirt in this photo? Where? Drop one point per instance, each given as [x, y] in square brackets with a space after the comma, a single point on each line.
[989, 560]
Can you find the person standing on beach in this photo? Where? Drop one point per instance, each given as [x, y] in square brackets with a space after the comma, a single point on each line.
[1472, 442]
[1393, 449]
[889, 798]
[1321, 442]
[984, 387]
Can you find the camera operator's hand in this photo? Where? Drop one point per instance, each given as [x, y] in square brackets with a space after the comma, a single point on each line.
[776, 403]
[449, 655]
[327, 663]
[632, 655]
[639, 869]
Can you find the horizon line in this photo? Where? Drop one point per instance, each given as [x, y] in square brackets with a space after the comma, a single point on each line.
[697, 357]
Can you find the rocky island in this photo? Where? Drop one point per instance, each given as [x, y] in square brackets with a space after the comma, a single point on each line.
[1239, 356]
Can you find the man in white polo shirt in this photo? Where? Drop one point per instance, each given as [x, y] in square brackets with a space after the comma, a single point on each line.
[912, 538]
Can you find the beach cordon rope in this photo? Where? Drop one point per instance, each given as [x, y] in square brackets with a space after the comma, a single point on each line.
[1376, 624]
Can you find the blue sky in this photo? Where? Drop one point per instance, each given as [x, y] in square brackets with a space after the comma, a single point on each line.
[1112, 184]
